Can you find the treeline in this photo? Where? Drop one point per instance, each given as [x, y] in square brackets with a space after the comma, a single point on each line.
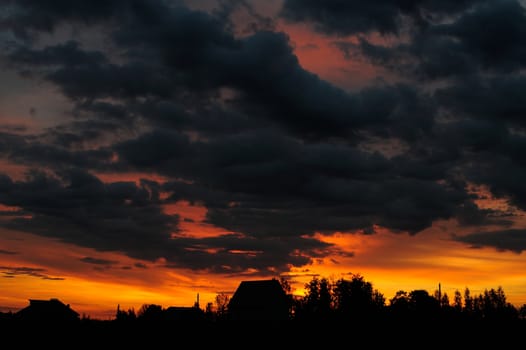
[346, 300]
[356, 300]
[330, 314]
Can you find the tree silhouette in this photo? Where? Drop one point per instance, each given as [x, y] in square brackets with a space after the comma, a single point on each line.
[522, 312]
[352, 300]
[422, 305]
[221, 305]
[125, 316]
[399, 305]
[317, 302]
[457, 301]
[356, 299]
[287, 288]
[468, 302]
[150, 313]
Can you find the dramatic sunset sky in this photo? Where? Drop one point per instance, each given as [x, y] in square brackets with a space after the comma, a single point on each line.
[152, 150]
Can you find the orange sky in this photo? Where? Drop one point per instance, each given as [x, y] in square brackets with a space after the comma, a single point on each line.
[34, 267]
[95, 282]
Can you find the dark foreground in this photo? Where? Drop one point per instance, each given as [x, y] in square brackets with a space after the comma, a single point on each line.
[266, 335]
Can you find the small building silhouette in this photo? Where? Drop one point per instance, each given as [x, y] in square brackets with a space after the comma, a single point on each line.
[47, 310]
[263, 300]
[183, 313]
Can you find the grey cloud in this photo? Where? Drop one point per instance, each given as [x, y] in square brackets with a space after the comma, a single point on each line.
[457, 47]
[68, 54]
[12, 272]
[497, 98]
[336, 17]
[29, 16]
[503, 176]
[126, 218]
[97, 261]
[513, 240]
[80, 209]
[35, 150]
[236, 254]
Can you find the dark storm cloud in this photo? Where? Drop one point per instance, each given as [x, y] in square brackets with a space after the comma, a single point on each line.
[157, 149]
[209, 119]
[266, 184]
[122, 217]
[491, 37]
[501, 44]
[75, 135]
[33, 150]
[498, 98]
[503, 240]
[268, 74]
[68, 53]
[80, 209]
[105, 81]
[26, 16]
[192, 50]
[475, 135]
[274, 152]
[490, 115]
[503, 176]
[236, 253]
[340, 17]
[471, 215]
[253, 23]
[426, 57]
[345, 17]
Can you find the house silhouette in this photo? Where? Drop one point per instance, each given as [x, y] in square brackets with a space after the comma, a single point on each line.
[263, 300]
[52, 310]
[183, 313]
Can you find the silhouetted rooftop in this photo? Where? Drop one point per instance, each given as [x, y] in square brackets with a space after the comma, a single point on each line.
[47, 310]
[259, 299]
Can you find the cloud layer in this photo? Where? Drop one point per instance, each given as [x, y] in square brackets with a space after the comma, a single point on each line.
[275, 153]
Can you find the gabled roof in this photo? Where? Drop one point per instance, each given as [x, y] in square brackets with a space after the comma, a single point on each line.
[259, 299]
[44, 310]
[250, 292]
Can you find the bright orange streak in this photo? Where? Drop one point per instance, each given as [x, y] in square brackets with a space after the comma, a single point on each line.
[318, 54]
[192, 220]
[130, 177]
[486, 200]
[16, 172]
[6, 208]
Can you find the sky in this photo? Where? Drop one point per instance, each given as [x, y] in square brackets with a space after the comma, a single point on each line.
[160, 152]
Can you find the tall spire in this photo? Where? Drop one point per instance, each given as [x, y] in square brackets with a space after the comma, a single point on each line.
[196, 304]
